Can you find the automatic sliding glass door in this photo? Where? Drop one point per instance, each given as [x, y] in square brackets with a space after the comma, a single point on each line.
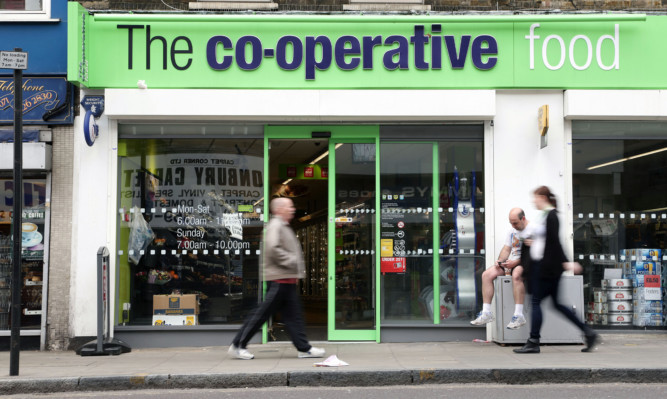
[353, 231]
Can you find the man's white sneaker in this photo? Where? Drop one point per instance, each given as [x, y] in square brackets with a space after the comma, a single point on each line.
[312, 352]
[483, 318]
[240, 353]
[516, 322]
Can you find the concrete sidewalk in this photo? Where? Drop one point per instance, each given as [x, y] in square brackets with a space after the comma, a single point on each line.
[638, 357]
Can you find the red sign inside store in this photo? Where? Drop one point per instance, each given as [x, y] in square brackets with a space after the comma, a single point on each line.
[392, 265]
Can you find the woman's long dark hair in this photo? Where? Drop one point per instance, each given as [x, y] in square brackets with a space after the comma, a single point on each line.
[544, 190]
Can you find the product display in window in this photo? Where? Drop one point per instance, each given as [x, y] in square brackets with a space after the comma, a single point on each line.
[620, 221]
[633, 292]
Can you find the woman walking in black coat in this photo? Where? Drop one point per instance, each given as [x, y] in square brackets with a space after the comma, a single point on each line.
[543, 275]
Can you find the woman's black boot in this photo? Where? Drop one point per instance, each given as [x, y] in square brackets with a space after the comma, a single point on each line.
[531, 346]
[592, 338]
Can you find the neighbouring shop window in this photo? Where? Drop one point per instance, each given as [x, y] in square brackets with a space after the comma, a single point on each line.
[461, 246]
[33, 237]
[202, 200]
[619, 186]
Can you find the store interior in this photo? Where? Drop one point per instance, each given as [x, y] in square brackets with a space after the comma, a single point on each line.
[309, 223]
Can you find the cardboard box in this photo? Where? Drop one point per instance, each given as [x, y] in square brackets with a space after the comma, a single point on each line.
[176, 304]
[647, 319]
[649, 253]
[633, 268]
[613, 273]
[616, 283]
[619, 295]
[598, 307]
[619, 306]
[638, 253]
[647, 294]
[620, 319]
[175, 320]
[646, 267]
[599, 295]
[644, 306]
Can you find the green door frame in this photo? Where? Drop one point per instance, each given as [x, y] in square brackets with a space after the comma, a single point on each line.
[339, 134]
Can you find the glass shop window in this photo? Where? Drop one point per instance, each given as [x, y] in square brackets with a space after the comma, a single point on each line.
[406, 182]
[461, 246]
[21, 5]
[33, 241]
[447, 161]
[189, 229]
[619, 186]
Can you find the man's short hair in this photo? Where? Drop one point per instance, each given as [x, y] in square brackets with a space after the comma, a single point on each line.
[521, 215]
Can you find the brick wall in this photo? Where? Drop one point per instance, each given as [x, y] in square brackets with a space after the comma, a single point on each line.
[437, 5]
[57, 330]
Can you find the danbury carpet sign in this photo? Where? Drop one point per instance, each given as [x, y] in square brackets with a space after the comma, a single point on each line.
[283, 51]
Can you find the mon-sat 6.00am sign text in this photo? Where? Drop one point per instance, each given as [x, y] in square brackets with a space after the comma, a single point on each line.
[320, 52]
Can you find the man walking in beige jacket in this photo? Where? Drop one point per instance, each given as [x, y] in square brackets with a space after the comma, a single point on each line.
[283, 267]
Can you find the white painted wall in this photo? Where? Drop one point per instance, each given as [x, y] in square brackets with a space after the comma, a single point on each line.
[616, 104]
[520, 166]
[90, 219]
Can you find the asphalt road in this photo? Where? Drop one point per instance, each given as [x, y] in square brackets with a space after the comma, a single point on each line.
[542, 391]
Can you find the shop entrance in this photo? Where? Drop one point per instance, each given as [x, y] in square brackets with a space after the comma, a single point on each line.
[290, 161]
[330, 174]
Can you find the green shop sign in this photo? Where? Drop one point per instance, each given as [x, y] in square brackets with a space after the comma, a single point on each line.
[365, 52]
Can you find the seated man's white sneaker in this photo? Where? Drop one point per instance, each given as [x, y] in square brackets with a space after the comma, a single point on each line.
[516, 322]
[483, 318]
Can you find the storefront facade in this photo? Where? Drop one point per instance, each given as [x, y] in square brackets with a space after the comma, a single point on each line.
[48, 114]
[403, 141]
